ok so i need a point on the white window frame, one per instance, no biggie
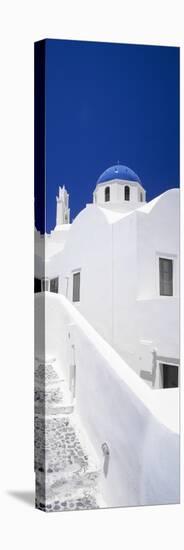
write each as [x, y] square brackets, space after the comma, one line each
[45, 280]
[174, 259]
[67, 279]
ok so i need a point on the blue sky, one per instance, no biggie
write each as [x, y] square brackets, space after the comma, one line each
[104, 103]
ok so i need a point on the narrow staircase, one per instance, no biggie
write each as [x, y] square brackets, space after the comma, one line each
[67, 469]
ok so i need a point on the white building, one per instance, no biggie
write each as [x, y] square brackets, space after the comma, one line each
[106, 333]
[118, 262]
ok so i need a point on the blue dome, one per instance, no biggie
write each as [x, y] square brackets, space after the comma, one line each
[118, 172]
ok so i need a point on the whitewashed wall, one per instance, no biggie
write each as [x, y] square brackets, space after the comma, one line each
[157, 316]
[117, 407]
[143, 320]
[117, 194]
[89, 248]
[118, 258]
[157, 235]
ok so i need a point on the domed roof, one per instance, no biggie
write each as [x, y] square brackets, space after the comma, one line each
[118, 172]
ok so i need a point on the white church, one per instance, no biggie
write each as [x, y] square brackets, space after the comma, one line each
[118, 263]
[109, 282]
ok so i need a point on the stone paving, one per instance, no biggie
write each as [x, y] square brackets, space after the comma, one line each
[67, 472]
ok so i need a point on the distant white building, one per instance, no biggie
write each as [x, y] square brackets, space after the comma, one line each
[118, 262]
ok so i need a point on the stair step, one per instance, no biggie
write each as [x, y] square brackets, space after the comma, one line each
[62, 489]
[53, 410]
[67, 469]
[58, 448]
[82, 500]
[61, 479]
[53, 398]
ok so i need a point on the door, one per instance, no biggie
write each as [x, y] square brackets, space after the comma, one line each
[170, 376]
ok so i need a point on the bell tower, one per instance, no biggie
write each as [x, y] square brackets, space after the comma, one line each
[62, 207]
[120, 189]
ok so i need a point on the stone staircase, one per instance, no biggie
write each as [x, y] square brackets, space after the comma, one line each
[67, 469]
[51, 393]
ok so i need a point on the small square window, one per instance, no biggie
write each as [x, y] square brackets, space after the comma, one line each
[166, 276]
[76, 286]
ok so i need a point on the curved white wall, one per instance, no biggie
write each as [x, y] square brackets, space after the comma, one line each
[117, 407]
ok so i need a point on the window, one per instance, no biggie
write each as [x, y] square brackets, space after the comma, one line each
[76, 286]
[127, 193]
[37, 285]
[166, 277]
[54, 284]
[45, 285]
[170, 376]
[107, 194]
[141, 196]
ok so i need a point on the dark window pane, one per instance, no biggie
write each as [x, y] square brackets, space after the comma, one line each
[107, 194]
[166, 277]
[170, 376]
[127, 193]
[76, 287]
[54, 283]
[37, 285]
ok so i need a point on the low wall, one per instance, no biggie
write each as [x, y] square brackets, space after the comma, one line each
[117, 407]
[144, 453]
